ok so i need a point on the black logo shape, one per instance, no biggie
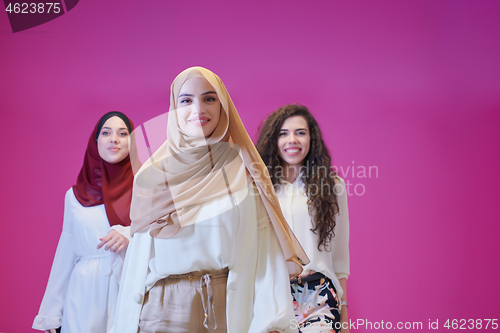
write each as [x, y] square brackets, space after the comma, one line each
[26, 14]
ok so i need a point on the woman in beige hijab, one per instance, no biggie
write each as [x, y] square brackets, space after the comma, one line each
[211, 251]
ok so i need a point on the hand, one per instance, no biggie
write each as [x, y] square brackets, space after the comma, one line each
[115, 242]
[344, 319]
[52, 330]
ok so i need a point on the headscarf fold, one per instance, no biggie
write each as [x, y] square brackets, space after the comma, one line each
[100, 182]
[186, 172]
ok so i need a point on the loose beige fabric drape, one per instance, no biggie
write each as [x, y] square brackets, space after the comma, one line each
[186, 172]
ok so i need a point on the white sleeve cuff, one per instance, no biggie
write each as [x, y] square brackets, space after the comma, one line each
[125, 231]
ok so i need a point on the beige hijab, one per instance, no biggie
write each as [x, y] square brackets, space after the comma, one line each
[186, 172]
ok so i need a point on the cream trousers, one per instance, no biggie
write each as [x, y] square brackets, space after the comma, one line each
[187, 303]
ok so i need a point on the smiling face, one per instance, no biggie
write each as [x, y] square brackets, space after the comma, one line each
[113, 140]
[198, 108]
[294, 141]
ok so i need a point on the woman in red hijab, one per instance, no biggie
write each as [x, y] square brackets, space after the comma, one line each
[83, 284]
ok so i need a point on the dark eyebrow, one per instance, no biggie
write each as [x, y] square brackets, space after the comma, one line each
[205, 93]
[122, 128]
[298, 129]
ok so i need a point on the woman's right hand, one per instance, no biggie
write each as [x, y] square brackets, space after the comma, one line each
[52, 330]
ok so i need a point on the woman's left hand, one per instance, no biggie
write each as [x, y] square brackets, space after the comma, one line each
[344, 320]
[115, 242]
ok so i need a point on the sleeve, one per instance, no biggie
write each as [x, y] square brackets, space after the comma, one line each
[132, 284]
[51, 309]
[259, 275]
[125, 231]
[340, 248]
[273, 304]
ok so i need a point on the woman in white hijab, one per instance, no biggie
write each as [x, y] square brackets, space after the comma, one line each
[211, 250]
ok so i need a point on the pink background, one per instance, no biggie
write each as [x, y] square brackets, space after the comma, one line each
[411, 87]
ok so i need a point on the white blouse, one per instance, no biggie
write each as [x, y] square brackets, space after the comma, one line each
[334, 263]
[231, 231]
[83, 284]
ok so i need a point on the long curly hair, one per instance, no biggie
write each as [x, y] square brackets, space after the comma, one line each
[317, 176]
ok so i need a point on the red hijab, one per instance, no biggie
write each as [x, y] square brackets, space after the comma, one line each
[100, 182]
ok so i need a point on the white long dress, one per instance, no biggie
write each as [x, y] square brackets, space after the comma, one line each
[83, 285]
[232, 231]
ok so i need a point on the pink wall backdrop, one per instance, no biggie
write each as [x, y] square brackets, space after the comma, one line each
[409, 87]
